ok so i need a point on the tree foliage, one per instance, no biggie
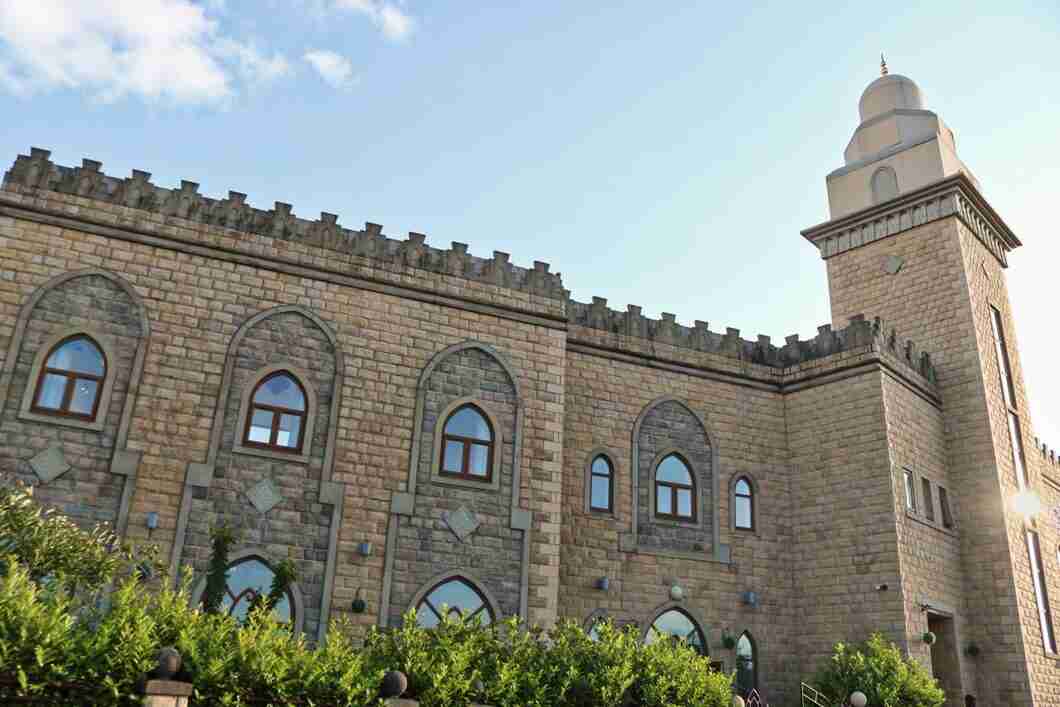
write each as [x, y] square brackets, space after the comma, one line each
[878, 668]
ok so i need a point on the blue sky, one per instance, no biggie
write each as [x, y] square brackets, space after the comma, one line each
[660, 154]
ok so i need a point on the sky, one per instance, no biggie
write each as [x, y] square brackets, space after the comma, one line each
[665, 154]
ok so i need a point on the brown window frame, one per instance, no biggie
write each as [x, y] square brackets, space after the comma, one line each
[929, 501]
[750, 496]
[674, 488]
[944, 508]
[71, 383]
[909, 484]
[277, 413]
[468, 443]
[610, 476]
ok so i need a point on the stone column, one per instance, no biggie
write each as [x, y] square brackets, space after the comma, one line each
[167, 693]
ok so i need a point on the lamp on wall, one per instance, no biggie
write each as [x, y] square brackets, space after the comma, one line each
[677, 592]
[750, 598]
[152, 522]
[364, 549]
[359, 604]
[603, 583]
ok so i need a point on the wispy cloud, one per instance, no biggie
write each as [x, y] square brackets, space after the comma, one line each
[394, 22]
[332, 67]
[169, 50]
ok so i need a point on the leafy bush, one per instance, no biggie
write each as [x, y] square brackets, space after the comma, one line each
[54, 632]
[878, 668]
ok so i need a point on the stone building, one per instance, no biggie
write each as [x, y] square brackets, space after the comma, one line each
[417, 427]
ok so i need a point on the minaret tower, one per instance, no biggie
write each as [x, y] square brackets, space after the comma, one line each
[913, 241]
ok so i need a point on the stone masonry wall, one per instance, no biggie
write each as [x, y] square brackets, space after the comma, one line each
[295, 528]
[426, 546]
[87, 492]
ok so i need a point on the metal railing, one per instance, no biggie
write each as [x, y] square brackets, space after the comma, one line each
[813, 698]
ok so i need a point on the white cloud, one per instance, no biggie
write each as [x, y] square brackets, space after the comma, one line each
[391, 19]
[167, 50]
[333, 68]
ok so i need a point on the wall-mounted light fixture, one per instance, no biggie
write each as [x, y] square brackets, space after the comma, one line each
[603, 583]
[365, 549]
[152, 522]
[750, 598]
[359, 604]
[677, 592]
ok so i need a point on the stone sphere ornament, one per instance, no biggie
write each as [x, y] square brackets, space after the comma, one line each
[738, 701]
[394, 684]
[929, 638]
[677, 593]
[169, 662]
[858, 699]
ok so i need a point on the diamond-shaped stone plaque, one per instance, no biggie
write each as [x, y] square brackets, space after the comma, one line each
[893, 264]
[50, 464]
[264, 496]
[462, 522]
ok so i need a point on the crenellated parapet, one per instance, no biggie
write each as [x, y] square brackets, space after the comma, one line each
[37, 171]
[859, 333]
[1048, 454]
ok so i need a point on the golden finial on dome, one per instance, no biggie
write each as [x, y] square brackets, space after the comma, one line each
[883, 65]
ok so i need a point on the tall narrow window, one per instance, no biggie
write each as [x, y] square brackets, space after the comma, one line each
[675, 495]
[71, 379]
[276, 417]
[743, 505]
[1003, 369]
[467, 445]
[248, 579]
[910, 491]
[601, 486]
[1016, 442]
[746, 674]
[929, 502]
[1041, 594]
[944, 508]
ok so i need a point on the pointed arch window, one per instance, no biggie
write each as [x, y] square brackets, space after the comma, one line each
[746, 669]
[743, 504]
[601, 485]
[249, 579]
[455, 598]
[277, 414]
[71, 379]
[675, 489]
[676, 625]
[467, 445]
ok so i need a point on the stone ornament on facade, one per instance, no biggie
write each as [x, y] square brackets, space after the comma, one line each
[893, 264]
[49, 464]
[462, 522]
[264, 496]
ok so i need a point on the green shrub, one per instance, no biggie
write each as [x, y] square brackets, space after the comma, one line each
[54, 631]
[878, 668]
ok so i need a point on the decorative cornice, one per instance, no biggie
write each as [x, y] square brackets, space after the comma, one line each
[955, 195]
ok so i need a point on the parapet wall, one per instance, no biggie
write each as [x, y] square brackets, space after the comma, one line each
[37, 171]
[858, 333]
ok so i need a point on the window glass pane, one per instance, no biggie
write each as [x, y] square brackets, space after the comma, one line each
[468, 422]
[425, 616]
[745, 672]
[674, 470]
[1016, 441]
[457, 594]
[684, 503]
[260, 427]
[929, 505]
[662, 497]
[910, 491]
[50, 394]
[1045, 619]
[84, 397]
[677, 624]
[454, 457]
[246, 579]
[290, 427]
[1001, 352]
[601, 466]
[282, 391]
[601, 493]
[743, 512]
[743, 488]
[79, 355]
[944, 508]
[478, 460]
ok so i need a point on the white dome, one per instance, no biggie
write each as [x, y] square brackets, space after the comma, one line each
[889, 93]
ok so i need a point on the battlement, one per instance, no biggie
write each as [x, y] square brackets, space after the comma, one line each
[1049, 455]
[859, 332]
[37, 171]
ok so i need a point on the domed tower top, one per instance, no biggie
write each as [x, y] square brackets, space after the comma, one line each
[899, 146]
